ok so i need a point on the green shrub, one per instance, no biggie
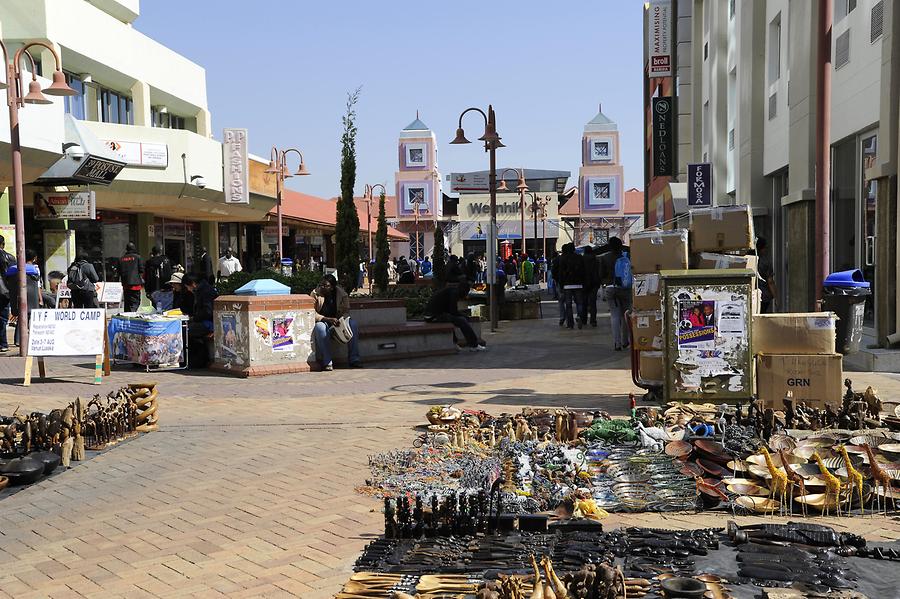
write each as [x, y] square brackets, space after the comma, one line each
[302, 282]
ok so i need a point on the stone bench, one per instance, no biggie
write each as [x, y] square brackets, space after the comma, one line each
[399, 341]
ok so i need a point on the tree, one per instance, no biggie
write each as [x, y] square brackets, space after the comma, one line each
[346, 231]
[382, 249]
[439, 260]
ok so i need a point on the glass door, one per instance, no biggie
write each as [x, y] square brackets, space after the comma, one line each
[869, 148]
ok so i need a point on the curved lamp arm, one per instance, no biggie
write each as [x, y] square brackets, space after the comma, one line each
[470, 110]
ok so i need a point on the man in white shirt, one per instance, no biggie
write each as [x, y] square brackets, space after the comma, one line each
[228, 264]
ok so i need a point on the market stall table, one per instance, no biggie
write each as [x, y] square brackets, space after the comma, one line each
[155, 341]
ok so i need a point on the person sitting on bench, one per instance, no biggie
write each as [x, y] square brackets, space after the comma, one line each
[443, 307]
[331, 304]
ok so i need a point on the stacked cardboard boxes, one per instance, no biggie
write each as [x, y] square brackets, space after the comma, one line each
[796, 353]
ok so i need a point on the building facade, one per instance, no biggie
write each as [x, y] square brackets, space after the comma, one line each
[743, 84]
[418, 187]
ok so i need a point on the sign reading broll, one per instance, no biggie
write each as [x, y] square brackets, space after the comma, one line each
[237, 167]
[659, 38]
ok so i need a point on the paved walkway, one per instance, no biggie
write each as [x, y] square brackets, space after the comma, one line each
[247, 489]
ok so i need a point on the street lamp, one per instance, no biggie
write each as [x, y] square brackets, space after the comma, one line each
[522, 188]
[15, 99]
[539, 205]
[491, 143]
[278, 167]
[368, 197]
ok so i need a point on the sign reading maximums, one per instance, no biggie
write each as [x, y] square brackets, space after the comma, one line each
[663, 137]
[659, 38]
[237, 167]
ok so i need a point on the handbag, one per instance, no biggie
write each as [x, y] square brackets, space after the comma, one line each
[342, 331]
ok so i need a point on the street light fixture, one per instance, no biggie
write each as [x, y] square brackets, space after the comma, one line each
[539, 206]
[15, 99]
[368, 196]
[522, 188]
[278, 167]
[491, 142]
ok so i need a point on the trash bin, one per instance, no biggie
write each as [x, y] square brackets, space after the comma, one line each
[845, 294]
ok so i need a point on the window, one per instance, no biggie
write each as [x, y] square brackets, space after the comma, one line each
[842, 8]
[731, 9]
[164, 120]
[75, 104]
[842, 50]
[731, 139]
[775, 49]
[115, 107]
[773, 106]
[877, 26]
[705, 50]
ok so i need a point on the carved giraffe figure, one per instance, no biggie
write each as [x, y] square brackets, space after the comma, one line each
[881, 477]
[832, 486]
[794, 478]
[854, 479]
[779, 485]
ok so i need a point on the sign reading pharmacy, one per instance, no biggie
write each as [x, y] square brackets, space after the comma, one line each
[66, 332]
[80, 205]
[237, 166]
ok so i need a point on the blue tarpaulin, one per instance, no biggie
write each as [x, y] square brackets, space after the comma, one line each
[147, 342]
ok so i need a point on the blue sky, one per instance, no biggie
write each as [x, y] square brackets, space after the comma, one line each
[282, 68]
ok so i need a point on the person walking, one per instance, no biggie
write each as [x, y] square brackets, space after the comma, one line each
[332, 304]
[228, 265]
[6, 293]
[203, 267]
[557, 292]
[527, 270]
[33, 298]
[444, 307]
[157, 271]
[616, 278]
[591, 284]
[81, 279]
[571, 279]
[131, 273]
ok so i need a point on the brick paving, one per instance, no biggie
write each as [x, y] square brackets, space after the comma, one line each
[247, 489]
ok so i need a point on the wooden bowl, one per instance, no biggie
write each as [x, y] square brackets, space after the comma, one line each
[817, 501]
[785, 442]
[749, 489]
[760, 505]
[679, 449]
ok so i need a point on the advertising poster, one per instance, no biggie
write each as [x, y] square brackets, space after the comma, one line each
[147, 342]
[282, 340]
[697, 324]
[66, 332]
[229, 335]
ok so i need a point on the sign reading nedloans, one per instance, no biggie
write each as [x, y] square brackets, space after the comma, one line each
[66, 332]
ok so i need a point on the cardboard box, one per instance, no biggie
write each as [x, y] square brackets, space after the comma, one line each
[647, 330]
[651, 366]
[809, 333]
[645, 293]
[709, 260]
[721, 229]
[655, 250]
[814, 380]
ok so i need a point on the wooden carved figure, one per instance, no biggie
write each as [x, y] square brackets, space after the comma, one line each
[832, 486]
[795, 479]
[779, 485]
[882, 478]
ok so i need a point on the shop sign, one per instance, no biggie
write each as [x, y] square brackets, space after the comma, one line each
[109, 292]
[663, 139]
[272, 231]
[699, 184]
[66, 332]
[137, 153]
[237, 166]
[80, 205]
[469, 182]
[99, 171]
[483, 209]
[659, 38]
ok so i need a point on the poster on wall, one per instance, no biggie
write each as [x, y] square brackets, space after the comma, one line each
[282, 338]
[229, 335]
[66, 332]
[697, 324]
[8, 233]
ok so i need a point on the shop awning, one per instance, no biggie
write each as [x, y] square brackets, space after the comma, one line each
[319, 212]
[85, 160]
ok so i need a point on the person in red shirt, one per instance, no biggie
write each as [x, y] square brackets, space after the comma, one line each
[131, 274]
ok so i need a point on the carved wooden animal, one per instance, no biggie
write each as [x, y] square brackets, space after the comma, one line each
[854, 479]
[833, 485]
[794, 478]
[881, 477]
[779, 484]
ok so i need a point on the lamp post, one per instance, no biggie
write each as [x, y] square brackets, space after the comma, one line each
[368, 195]
[522, 188]
[491, 143]
[16, 98]
[278, 167]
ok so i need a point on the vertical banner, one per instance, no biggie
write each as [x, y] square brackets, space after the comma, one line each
[237, 166]
[663, 137]
[699, 179]
[659, 38]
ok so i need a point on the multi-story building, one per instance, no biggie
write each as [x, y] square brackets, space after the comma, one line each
[743, 85]
[138, 103]
[418, 187]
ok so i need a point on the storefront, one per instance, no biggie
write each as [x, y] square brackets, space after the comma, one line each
[471, 231]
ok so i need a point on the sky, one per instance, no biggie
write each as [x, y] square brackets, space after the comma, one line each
[282, 69]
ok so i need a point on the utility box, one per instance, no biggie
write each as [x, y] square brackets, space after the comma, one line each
[707, 335]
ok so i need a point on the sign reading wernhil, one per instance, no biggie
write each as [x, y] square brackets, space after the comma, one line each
[659, 38]
[237, 166]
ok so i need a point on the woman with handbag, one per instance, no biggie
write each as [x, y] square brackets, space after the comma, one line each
[332, 305]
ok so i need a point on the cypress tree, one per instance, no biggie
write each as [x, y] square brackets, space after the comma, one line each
[382, 249]
[439, 260]
[346, 233]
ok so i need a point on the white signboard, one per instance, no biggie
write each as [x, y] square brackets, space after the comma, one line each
[80, 205]
[469, 182]
[237, 166]
[109, 293]
[137, 153]
[66, 332]
[659, 38]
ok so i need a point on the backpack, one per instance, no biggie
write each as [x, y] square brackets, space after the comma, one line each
[623, 276]
[77, 280]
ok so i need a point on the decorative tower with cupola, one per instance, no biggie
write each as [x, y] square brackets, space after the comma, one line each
[600, 177]
[418, 186]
